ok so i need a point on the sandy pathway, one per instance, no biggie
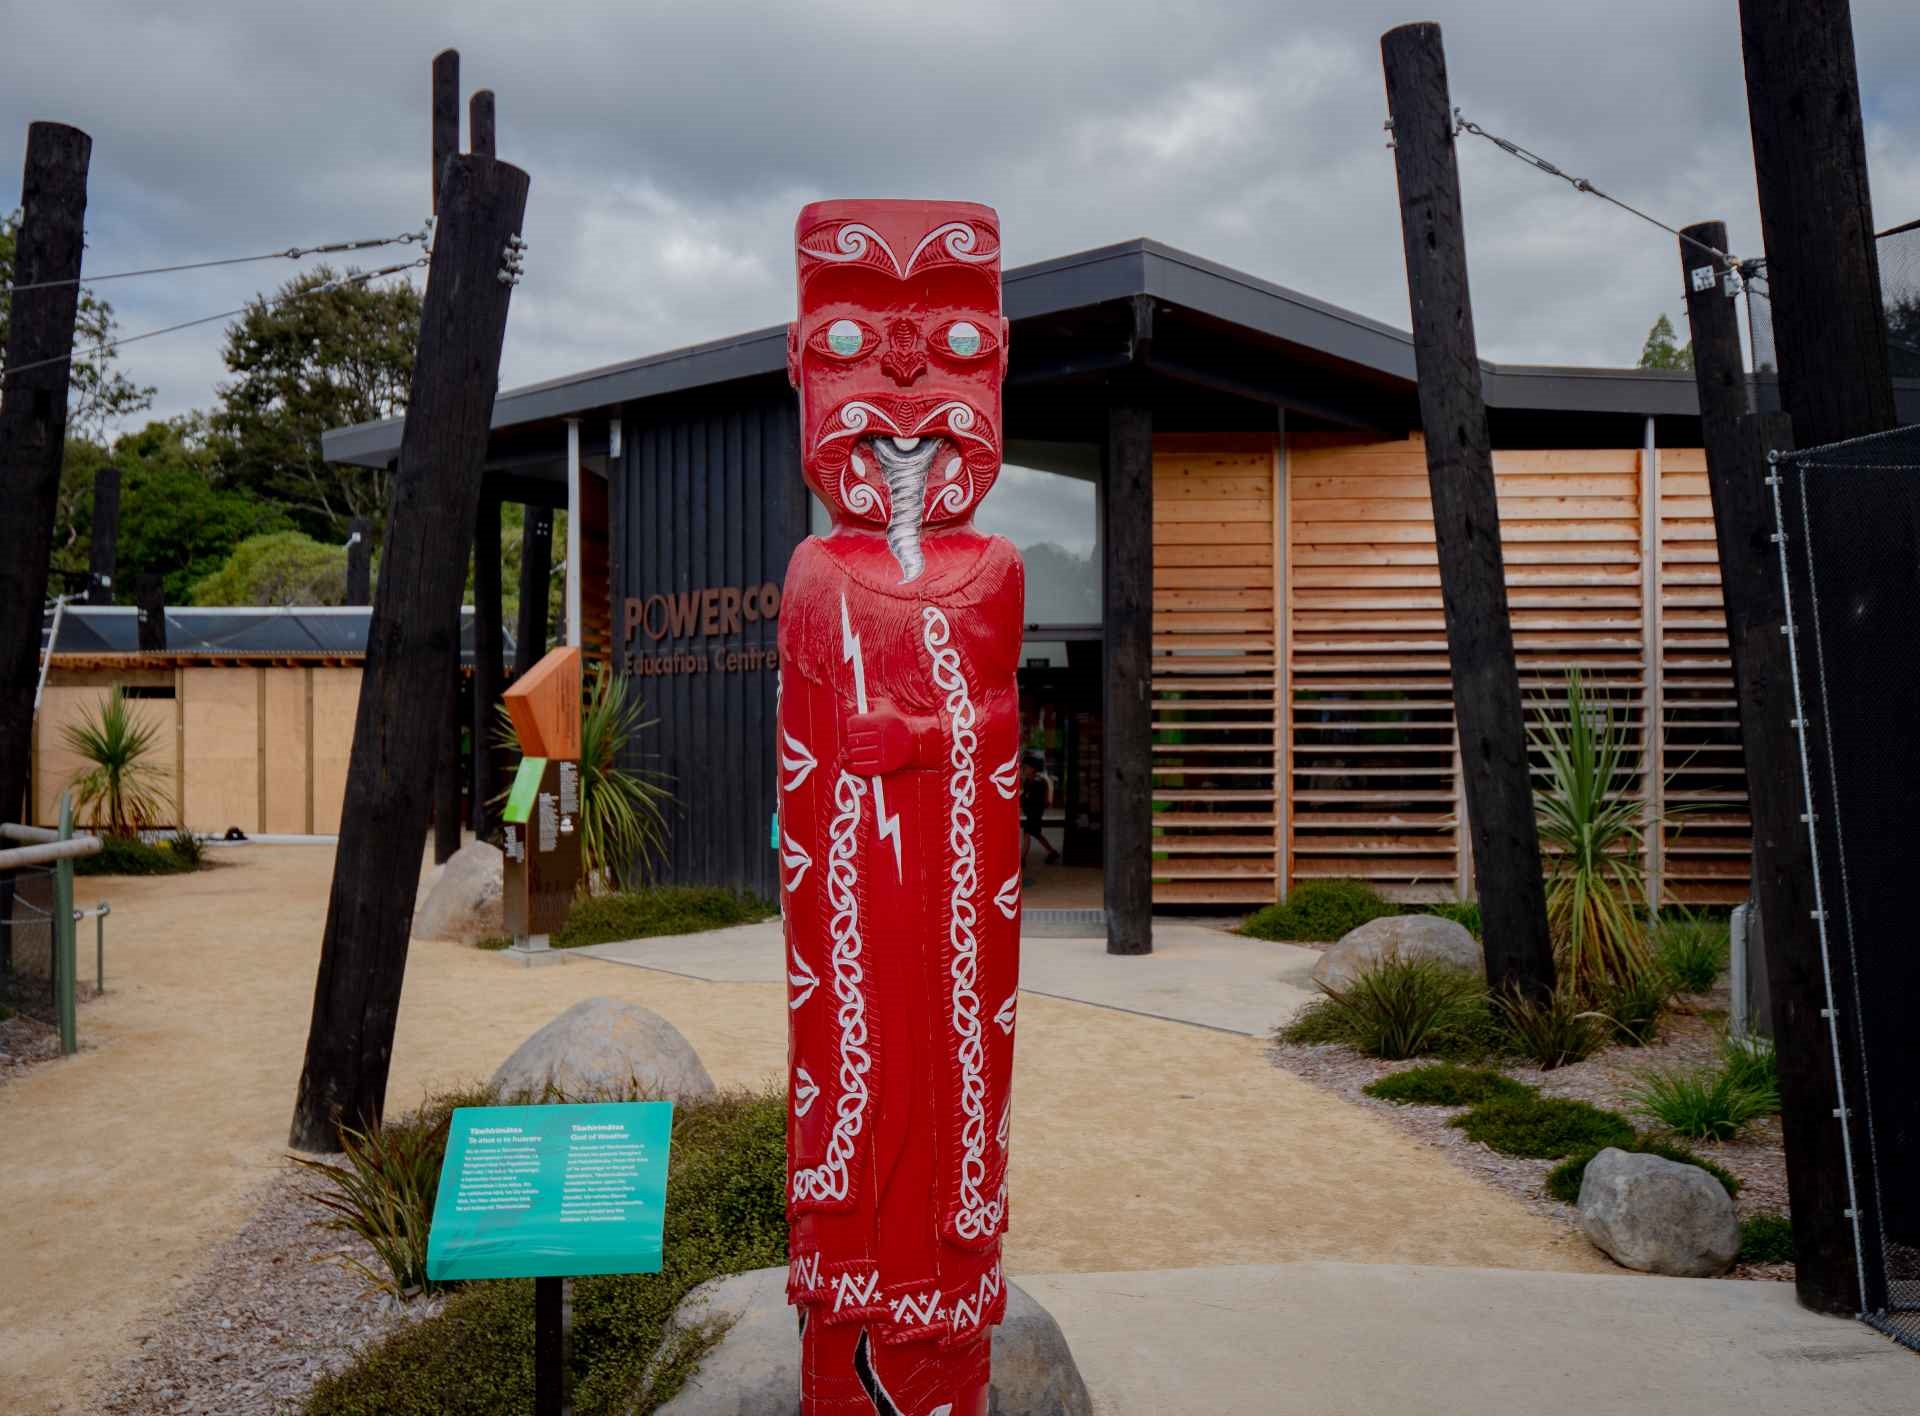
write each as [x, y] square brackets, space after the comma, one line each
[1139, 1143]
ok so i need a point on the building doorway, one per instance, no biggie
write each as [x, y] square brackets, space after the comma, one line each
[1060, 682]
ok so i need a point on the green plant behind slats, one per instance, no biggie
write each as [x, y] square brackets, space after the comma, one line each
[1590, 837]
[121, 789]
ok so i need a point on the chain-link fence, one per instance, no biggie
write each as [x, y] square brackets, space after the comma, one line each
[29, 952]
[1899, 253]
[1848, 518]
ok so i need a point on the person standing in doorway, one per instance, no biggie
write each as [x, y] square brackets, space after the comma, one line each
[1036, 795]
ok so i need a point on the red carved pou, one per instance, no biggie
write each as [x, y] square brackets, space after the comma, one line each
[899, 837]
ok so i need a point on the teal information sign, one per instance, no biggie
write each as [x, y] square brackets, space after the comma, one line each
[551, 1191]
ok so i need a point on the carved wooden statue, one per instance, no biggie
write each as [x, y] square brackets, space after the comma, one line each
[899, 757]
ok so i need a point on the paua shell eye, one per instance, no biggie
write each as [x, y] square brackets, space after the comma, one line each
[843, 337]
[963, 339]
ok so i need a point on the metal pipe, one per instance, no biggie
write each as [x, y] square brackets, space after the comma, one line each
[98, 914]
[573, 531]
[49, 854]
[46, 658]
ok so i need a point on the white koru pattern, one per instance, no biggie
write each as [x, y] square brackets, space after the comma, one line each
[1006, 777]
[978, 1218]
[803, 979]
[795, 858]
[804, 1091]
[1005, 1016]
[852, 242]
[855, 1290]
[803, 1272]
[796, 760]
[1009, 897]
[829, 1180]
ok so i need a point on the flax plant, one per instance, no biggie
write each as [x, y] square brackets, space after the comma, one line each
[1590, 837]
[121, 788]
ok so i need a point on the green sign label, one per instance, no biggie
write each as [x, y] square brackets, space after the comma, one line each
[551, 1191]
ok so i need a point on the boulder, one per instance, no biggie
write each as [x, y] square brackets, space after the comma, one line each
[604, 1047]
[1658, 1216]
[1418, 936]
[464, 903]
[754, 1369]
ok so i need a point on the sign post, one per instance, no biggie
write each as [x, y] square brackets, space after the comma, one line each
[541, 821]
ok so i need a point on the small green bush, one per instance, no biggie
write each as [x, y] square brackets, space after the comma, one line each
[1563, 1181]
[1545, 1127]
[1766, 1239]
[1465, 913]
[493, 943]
[189, 847]
[1707, 1103]
[1403, 1007]
[1445, 1084]
[1693, 949]
[726, 1213]
[129, 855]
[1320, 910]
[1633, 1006]
[1754, 1067]
[656, 910]
[1551, 1032]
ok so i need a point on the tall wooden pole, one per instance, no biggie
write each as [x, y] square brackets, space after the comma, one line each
[150, 595]
[447, 817]
[446, 116]
[360, 561]
[104, 535]
[1816, 214]
[489, 669]
[480, 123]
[1466, 517]
[33, 422]
[1825, 1274]
[1126, 748]
[411, 653]
[536, 570]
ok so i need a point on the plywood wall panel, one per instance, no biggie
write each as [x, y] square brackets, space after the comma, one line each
[336, 698]
[220, 716]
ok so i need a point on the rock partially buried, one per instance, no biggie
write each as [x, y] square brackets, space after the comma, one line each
[464, 903]
[603, 1047]
[1405, 937]
[1658, 1216]
[754, 1369]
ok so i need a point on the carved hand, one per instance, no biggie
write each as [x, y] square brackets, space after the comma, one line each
[878, 742]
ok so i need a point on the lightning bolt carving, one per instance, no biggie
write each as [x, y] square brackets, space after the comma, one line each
[889, 822]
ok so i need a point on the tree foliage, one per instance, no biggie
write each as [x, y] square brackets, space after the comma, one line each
[305, 360]
[278, 568]
[99, 392]
[1661, 352]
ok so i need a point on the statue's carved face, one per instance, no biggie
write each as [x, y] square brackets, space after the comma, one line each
[898, 356]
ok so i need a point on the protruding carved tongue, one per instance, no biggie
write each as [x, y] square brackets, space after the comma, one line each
[906, 462]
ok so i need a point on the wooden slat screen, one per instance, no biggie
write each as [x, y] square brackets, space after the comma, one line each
[1214, 671]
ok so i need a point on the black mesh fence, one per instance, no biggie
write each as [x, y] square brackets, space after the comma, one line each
[1899, 253]
[27, 964]
[1849, 518]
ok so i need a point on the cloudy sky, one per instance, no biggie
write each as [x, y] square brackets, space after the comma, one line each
[671, 143]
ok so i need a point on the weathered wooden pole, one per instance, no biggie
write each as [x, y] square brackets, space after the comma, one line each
[480, 123]
[1466, 517]
[1816, 215]
[33, 422]
[1825, 1273]
[150, 595]
[360, 561]
[411, 653]
[536, 571]
[489, 668]
[1127, 710]
[446, 116]
[105, 535]
[447, 816]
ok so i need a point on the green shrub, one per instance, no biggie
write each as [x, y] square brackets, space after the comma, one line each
[1766, 1239]
[656, 910]
[1549, 1032]
[1563, 1181]
[1465, 913]
[1633, 1006]
[1693, 949]
[1445, 1084]
[1545, 1127]
[129, 855]
[1404, 1007]
[384, 1192]
[725, 1214]
[1754, 1067]
[1707, 1103]
[493, 943]
[189, 847]
[1320, 910]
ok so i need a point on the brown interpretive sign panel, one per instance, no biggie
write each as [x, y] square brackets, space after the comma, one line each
[542, 846]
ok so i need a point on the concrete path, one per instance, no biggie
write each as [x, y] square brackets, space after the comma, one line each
[1329, 1339]
[1196, 974]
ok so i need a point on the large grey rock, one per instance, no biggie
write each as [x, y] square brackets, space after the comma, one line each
[464, 903]
[606, 1047]
[1657, 1215]
[1419, 936]
[754, 1370]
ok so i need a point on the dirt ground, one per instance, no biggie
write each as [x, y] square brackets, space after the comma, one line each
[1138, 1143]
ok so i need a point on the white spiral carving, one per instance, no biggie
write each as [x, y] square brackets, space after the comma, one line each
[860, 498]
[855, 417]
[954, 498]
[959, 239]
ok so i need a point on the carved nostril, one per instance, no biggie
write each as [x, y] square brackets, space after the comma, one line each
[904, 360]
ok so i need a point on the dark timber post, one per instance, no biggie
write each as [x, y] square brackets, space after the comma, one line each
[150, 594]
[33, 423]
[536, 569]
[1126, 531]
[411, 653]
[360, 561]
[1816, 213]
[480, 123]
[1466, 517]
[446, 768]
[105, 535]
[446, 117]
[489, 670]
